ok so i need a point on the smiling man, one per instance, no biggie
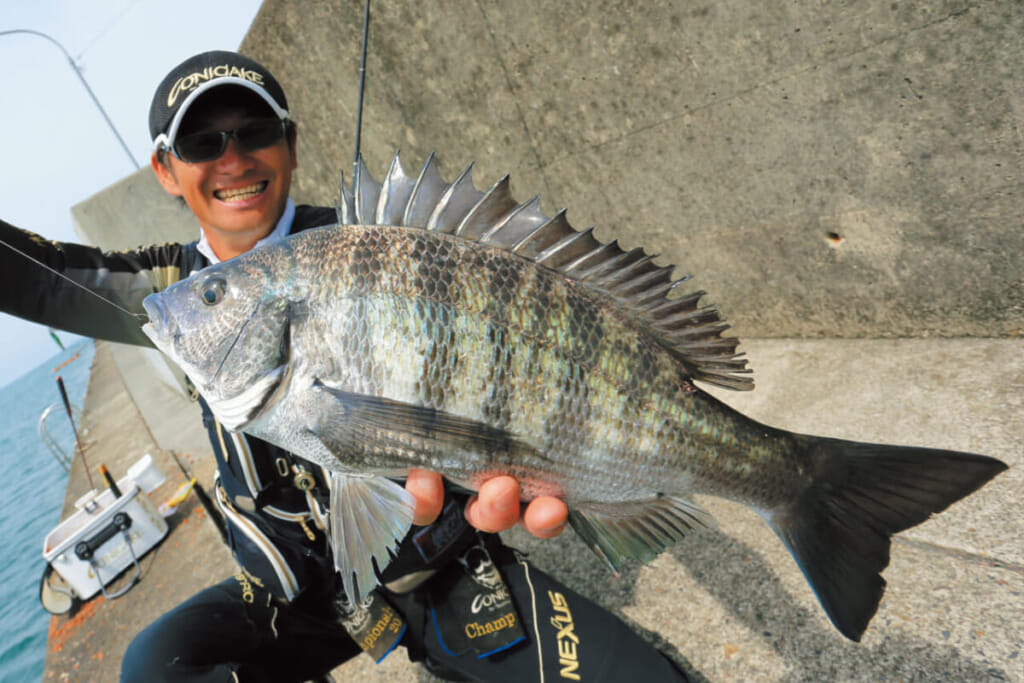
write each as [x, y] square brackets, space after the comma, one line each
[461, 602]
[240, 195]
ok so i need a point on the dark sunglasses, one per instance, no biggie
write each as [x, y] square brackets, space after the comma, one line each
[210, 145]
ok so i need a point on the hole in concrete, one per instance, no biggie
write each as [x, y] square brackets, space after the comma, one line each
[834, 238]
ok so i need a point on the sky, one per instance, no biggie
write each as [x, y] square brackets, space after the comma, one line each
[57, 150]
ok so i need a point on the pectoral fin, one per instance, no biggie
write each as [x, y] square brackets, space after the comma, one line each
[369, 517]
[360, 423]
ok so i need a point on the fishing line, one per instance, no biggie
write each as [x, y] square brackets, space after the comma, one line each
[362, 87]
[139, 316]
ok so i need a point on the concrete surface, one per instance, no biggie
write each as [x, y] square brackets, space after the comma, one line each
[137, 212]
[732, 137]
[729, 605]
[837, 169]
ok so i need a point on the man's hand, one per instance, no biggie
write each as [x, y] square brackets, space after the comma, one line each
[495, 508]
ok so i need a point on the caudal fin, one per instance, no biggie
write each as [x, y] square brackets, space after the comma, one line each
[839, 530]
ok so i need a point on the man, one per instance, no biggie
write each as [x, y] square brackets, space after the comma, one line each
[459, 601]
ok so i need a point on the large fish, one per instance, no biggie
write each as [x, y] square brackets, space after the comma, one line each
[445, 328]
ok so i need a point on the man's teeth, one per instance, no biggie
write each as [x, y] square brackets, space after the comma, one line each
[240, 193]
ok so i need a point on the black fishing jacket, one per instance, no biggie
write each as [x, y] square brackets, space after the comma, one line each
[274, 502]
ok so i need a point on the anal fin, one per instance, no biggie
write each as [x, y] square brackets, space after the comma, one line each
[637, 530]
[369, 517]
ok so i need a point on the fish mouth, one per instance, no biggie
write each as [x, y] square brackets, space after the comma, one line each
[240, 194]
[160, 329]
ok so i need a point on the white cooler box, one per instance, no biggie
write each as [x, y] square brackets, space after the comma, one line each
[103, 538]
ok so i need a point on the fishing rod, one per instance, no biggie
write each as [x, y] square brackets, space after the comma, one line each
[362, 87]
[78, 442]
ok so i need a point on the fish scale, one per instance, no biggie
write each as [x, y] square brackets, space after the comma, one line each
[481, 337]
[570, 357]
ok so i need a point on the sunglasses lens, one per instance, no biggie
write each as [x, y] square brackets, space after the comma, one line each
[208, 146]
[260, 134]
[199, 147]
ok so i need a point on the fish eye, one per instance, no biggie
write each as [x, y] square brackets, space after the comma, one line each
[213, 291]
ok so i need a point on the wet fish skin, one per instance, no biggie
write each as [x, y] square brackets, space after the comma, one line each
[373, 349]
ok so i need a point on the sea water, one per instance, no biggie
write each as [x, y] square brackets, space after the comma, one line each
[34, 484]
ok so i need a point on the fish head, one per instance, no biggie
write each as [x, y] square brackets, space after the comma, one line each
[227, 328]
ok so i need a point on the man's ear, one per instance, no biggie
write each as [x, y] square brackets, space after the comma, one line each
[164, 175]
[293, 147]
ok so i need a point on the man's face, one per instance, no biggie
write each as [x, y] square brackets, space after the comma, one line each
[241, 194]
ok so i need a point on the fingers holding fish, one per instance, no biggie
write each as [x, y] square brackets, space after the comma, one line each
[428, 489]
[496, 505]
[546, 517]
[495, 508]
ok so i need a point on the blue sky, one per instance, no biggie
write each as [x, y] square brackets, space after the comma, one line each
[57, 149]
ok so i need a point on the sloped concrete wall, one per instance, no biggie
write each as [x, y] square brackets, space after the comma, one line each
[132, 212]
[821, 169]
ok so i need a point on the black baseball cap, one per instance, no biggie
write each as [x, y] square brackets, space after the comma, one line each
[200, 74]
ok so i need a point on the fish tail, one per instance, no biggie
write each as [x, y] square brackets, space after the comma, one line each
[839, 528]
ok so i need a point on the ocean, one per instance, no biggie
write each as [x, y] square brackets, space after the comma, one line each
[35, 484]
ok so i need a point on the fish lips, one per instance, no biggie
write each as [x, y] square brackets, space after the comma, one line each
[161, 328]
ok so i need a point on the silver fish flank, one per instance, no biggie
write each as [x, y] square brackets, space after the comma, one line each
[445, 328]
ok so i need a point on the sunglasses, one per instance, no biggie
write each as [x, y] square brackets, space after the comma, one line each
[210, 145]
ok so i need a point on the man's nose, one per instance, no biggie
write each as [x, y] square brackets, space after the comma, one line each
[234, 154]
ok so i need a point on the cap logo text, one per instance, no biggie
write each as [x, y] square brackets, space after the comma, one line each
[194, 79]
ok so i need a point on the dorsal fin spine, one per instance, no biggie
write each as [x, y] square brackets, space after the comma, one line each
[688, 332]
[683, 316]
[598, 266]
[619, 277]
[427, 175]
[598, 271]
[641, 281]
[365, 190]
[343, 205]
[498, 192]
[521, 244]
[652, 297]
[436, 222]
[615, 266]
[573, 265]
[558, 246]
[396, 182]
[655, 307]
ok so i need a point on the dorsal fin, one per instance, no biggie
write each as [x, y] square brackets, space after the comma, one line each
[691, 332]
